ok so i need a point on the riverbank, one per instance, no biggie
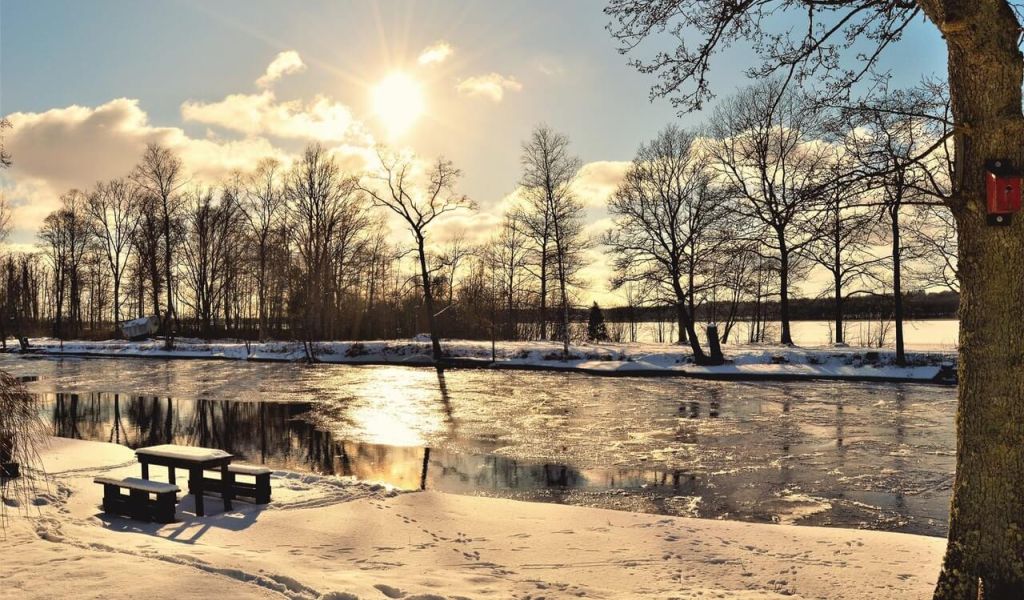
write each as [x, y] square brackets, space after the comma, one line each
[327, 538]
[760, 362]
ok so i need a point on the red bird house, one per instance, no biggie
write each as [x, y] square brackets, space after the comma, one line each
[1002, 188]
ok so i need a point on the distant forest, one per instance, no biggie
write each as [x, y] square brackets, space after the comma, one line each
[916, 305]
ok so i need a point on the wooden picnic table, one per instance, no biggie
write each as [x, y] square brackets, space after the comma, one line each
[195, 460]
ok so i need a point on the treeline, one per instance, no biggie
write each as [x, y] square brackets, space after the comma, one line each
[719, 225]
[916, 305]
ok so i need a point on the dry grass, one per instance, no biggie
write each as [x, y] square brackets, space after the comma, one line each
[22, 435]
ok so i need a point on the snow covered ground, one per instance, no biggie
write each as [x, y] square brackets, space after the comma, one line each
[333, 539]
[745, 362]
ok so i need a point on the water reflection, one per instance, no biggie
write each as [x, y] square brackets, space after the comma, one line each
[861, 455]
[283, 435]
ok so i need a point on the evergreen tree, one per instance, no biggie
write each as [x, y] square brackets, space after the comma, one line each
[597, 331]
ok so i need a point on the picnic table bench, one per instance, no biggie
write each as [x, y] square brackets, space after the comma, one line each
[138, 504]
[258, 489]
[195, 460]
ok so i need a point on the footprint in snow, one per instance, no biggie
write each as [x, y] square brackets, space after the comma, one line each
[390, 592]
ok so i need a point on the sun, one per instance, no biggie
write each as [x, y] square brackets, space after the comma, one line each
[398, 102]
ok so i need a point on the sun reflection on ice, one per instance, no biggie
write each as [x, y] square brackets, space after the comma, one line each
[400, 407]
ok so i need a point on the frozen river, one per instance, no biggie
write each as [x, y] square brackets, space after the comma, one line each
[879, 456]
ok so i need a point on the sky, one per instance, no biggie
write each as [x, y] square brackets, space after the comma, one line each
[228, 82]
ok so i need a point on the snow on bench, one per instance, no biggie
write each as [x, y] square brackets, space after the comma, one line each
[143, 485]
[185, 453]
[244, 469]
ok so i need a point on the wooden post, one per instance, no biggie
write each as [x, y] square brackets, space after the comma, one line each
[195, 481]
[227, 485]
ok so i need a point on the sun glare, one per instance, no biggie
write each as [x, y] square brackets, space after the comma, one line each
[398, 102]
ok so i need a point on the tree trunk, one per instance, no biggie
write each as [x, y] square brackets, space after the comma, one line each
[837, 256]
[685, 321]
[261, 293]
[684, 334]
[544, 293]
[141, 297]
[787, 338]
[428, 301]
[897, 284]
[168, 326]
[510, 323]
[986, 534]
[562, 285]
[117, 299]
[840, 338]
[686, 325]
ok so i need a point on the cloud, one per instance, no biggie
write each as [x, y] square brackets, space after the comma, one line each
[212, 160]
[597, 181]
[284, 63]
[76, 146]
[491, 86]
[321, 119]
[435, 53]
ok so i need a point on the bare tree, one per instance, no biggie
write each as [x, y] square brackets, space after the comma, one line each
[66, 235]
[933, 231]
[772, 162]
[985, 77]
[396, 188]
[454, 253]
[841, 240]
[113, 209]
[159, 173]
[553, 216]
[664, 214]
[888, 150]
[507, 253]
[263, 205]
[211, 232]
[326, 212]
[148, 242]
[735, 277]
[548, 169]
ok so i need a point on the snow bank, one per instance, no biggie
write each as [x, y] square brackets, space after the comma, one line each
[331, 539]
[634, 359]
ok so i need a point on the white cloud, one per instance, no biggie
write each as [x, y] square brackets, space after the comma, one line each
[76, 146]
[491, 86]
[435, 53]
[261, 114]
[285, 63]
[597, 181]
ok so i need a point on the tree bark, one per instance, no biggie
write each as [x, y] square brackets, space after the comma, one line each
[986, 535]
[117, 299]
[837, 273]
[897, 283]
[839, 338]
[428, 302]
[168, 325]
[544, 293]
[685, 321]
[261, 293]
[787, 337]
